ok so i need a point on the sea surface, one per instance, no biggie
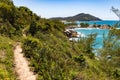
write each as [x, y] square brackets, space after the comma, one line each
[108, 22]
[100, 32]
[99, 38]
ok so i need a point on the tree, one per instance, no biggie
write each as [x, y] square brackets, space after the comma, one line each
[110, 54]
[33, 28]
[8, 2]
[84, 25]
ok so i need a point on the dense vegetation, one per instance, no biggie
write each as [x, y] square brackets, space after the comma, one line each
[52, 56]
[79, 17]
[6, 59]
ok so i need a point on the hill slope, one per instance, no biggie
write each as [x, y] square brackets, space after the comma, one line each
[50, 53]
[79, 17]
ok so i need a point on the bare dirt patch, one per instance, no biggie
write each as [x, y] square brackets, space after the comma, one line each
[21, 65]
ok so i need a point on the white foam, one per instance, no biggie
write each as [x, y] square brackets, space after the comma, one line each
[117, 28]
[85, 28]
[74, 39]
[80, 34]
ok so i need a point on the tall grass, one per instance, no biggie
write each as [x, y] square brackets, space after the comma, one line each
[6, 59]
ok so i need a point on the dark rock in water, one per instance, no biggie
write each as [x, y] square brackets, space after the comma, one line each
[70, 33]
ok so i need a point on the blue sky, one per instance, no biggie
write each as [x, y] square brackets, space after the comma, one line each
[64, 8]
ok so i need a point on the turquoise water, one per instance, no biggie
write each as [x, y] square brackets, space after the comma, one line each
[108, 22]
[100, 32]
[99, 37]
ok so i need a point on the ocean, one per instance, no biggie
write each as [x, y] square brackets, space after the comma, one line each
[108, 22]
[99, 32]
[99, 37]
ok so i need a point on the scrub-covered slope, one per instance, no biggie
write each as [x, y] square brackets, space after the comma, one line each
[51, 55]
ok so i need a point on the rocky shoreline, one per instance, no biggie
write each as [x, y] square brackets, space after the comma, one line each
[70, 33]
[105, 26]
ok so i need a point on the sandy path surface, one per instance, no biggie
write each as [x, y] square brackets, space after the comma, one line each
[21, 65]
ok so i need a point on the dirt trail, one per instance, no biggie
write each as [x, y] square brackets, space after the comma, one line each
[21, 65]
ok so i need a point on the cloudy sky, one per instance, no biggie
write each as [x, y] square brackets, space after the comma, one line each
[64, 8]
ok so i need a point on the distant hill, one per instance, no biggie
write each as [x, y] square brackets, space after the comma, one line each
[79, 17]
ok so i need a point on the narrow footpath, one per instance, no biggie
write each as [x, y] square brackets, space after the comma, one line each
[21, 65]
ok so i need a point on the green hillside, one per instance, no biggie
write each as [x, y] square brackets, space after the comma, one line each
[6, 59]
[78, 17]
[52, 56]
